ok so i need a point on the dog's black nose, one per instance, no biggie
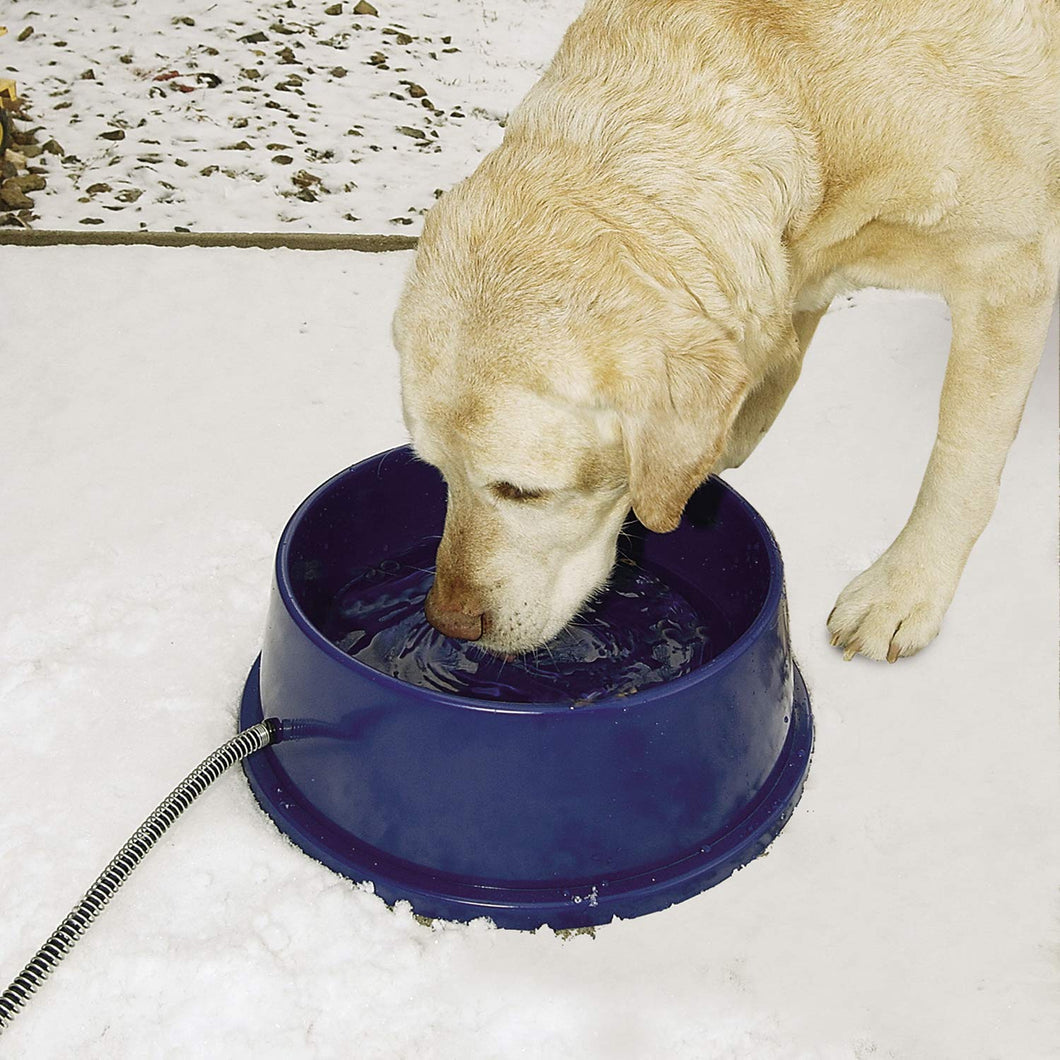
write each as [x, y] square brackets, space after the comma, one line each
[453, 622]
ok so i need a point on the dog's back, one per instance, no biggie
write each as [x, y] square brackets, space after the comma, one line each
[970, 86]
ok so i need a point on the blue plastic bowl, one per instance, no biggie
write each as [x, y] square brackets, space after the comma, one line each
[529, 814]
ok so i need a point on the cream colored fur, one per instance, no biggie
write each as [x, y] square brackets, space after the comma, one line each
[617, 302]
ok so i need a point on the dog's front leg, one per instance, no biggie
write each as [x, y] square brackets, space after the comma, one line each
[763, 404]
[896, 606]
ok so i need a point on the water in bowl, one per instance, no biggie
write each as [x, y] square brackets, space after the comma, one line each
[638, 632]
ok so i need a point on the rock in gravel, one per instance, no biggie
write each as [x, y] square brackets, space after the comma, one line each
[97, 189]
[113, 134]
[365, 8]
[416, 91]
[408, 130]
[30, 182]
[25, 136]
[13, 196]
[25, 34]
[53, 148]
[335, 9]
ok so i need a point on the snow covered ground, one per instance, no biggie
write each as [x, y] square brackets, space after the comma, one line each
[164, 411]
[262, 115]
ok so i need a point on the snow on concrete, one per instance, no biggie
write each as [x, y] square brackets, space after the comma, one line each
[164, 411]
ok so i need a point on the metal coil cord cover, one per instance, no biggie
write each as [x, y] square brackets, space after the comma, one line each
[131, 854]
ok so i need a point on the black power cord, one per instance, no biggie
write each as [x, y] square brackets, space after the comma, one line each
[131, 854]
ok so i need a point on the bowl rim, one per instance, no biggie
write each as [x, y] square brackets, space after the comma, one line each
[722, 661]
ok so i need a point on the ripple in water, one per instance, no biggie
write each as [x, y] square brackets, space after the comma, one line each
[636, 633]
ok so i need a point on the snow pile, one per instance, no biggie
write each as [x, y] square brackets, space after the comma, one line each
[257, 115]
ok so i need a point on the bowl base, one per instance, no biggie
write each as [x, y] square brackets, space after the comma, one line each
[581, 903]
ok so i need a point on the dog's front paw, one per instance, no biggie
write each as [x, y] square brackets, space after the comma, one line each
[894, 608]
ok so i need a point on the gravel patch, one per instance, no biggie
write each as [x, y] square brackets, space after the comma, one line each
[251, 116]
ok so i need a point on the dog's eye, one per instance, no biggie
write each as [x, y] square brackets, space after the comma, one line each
[507, 492]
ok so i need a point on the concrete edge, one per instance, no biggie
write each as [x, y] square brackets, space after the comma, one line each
[33, 237]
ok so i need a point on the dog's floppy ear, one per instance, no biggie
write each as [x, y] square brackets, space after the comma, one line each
[674, 428]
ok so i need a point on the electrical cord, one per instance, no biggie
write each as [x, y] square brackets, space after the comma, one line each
[131, 854]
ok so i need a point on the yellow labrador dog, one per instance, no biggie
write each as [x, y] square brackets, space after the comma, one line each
[617, 302]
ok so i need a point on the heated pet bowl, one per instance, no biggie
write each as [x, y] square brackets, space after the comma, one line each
[528, 813]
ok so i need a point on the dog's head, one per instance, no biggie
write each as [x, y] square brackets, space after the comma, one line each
[556, 375]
